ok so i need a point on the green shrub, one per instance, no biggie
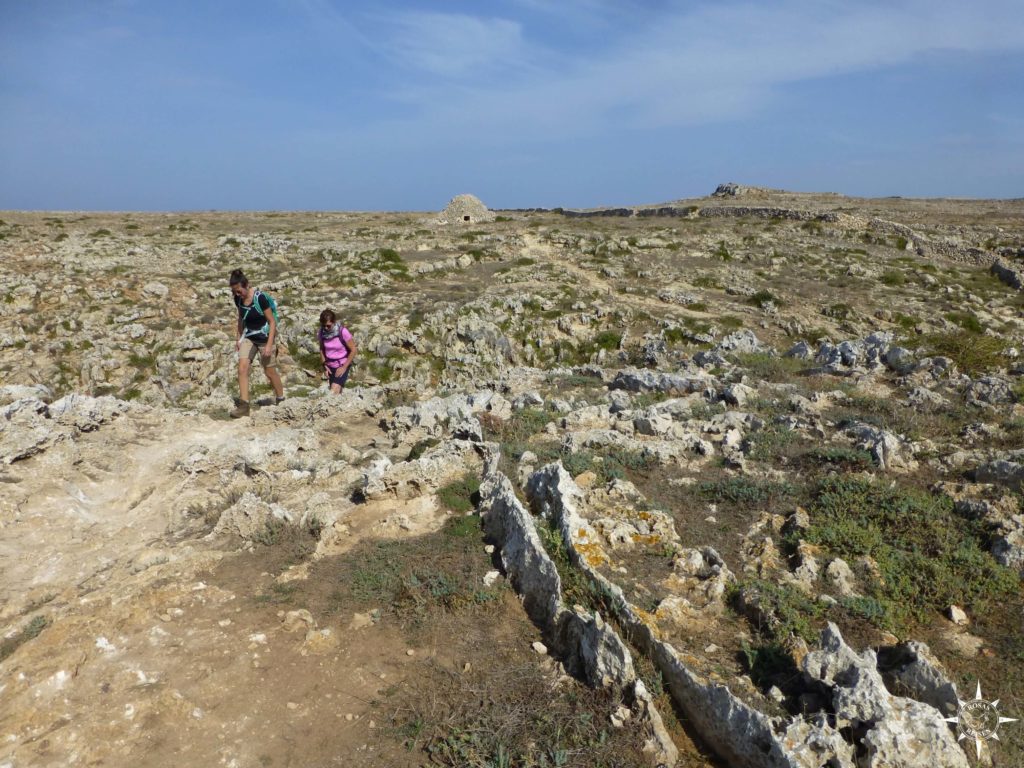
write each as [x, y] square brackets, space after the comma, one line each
[765, 366]
[908, 322]
[310, 360]
[575, 381]
[613, 463]
[794, 611]
[771, 443]
[707, 281]
[966, 320]
[462, 495]
[675, 336]
[378, 578]
[607, 340]
[463, 526]
[763, 297]
[422, 447]
[840, 457]
[838, 311]
[973, 353]
[142, 361]
[524, 423]
[928, 557]
[868, 608]
[743, 491]
[893, 277]
[381, 370]
[730, 322]
[272, 532]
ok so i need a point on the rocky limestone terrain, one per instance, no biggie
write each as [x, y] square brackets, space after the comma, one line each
[725, 481]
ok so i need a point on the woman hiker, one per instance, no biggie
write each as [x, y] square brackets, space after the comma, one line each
[337, 348]
[257, 335]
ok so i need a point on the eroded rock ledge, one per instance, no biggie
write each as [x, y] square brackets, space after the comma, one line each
[858, 708]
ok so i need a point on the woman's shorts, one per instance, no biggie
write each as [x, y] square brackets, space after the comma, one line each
[252, 351]
[332, 378]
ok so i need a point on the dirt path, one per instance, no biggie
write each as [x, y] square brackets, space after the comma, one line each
[144, 659]
[164, 647]
[78, 513]
[200, 668]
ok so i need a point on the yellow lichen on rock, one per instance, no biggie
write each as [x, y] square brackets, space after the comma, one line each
[593, 554]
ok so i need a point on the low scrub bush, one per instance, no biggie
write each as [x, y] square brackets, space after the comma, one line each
[838, 311]
[794, 613]
[730, 322]
[928, 557]
[522, 424]
[765, 366]
[614, 463]
[744, 491]
[508, 716]
[907, 322]
[462, 495]
[763, 298]
[842, 457]
[973, 353]
[893, 277]
[676, 336]
[607, 340]
[707, 281]
[773, 443]
[966, 320]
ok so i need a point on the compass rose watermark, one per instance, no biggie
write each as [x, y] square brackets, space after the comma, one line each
[979, 720]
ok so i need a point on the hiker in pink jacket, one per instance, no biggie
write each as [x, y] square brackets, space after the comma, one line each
[337, 348]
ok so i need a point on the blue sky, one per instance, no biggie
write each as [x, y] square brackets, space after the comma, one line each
[331, 105]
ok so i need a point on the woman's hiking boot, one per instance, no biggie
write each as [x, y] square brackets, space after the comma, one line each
[242, 409]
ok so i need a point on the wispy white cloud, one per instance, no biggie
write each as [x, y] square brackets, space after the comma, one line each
[588, 13]
[327, 19]
[685, 65]
[455, 45]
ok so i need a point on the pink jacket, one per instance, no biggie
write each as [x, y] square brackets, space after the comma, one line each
[333, 342]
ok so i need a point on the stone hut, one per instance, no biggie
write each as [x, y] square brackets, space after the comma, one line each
[465, 209]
